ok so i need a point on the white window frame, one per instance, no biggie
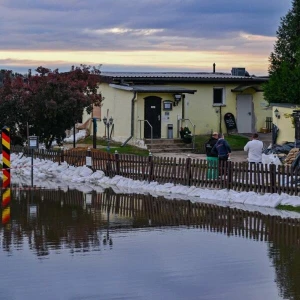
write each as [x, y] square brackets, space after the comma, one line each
[223, 95]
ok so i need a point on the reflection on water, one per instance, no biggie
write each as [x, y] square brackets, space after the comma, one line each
[71, 245]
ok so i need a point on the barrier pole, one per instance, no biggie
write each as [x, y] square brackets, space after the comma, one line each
[6, 194]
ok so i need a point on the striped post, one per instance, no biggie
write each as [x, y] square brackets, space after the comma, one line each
[6, 194]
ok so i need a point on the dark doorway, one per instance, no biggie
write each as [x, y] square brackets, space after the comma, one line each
[153, 116]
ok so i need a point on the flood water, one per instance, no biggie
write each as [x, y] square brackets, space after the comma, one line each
[71, 245]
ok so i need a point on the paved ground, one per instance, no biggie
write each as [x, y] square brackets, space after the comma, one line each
[236, 156]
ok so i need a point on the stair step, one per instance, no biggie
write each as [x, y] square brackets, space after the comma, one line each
[173, 150]
[163, 141]
[168, 146]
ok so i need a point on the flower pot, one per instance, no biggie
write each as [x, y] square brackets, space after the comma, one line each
[188, 140]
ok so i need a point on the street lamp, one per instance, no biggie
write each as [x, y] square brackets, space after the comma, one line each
[108, 122]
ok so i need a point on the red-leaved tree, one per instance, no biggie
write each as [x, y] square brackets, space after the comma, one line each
[50, 102]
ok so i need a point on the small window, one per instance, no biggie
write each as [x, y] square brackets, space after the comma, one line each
[219, 96]
[167, 105]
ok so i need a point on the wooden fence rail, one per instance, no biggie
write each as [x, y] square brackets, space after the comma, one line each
[238, 176]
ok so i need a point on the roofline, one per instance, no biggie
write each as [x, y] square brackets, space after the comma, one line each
[133, 88]
[117, 79]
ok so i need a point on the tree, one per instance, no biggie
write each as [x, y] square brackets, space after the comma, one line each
[51, 102]
[284, 70]
[13, 99]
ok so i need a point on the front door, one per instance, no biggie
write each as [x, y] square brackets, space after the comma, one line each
[153, 116]
[244, 109]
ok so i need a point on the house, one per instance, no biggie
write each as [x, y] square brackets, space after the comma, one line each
[284, 121]
[157, 104]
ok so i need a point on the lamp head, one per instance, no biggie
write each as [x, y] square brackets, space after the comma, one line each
[104, 120]
[111, 120]
[177, 99]
[277, 113]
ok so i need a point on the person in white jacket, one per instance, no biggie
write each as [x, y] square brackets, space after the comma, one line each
[254, 149]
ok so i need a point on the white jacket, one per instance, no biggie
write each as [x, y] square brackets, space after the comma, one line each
[254, 149]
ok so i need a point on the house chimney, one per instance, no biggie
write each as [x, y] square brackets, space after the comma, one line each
[214, 68]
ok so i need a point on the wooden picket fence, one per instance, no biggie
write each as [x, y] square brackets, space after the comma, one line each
[238, 176]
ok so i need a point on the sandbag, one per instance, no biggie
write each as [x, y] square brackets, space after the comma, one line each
[271, 159]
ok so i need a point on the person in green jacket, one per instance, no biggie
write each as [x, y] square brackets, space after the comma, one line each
[212, 157]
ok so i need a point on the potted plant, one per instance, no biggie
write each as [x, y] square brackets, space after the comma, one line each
[186, 135]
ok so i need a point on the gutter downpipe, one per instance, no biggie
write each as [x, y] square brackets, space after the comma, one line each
[132, 120]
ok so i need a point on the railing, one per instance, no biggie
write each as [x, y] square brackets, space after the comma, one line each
[179, 124]
[151, 128]
[260, 178]
[269, 122]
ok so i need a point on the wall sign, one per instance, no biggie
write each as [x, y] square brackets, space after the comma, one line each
[230, 123]
[167, 105]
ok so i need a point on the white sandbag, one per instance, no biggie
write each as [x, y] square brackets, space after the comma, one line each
[271, 159]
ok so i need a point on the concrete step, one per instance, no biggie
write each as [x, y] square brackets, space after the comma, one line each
[171, 150]
[163, 141]
[168, 146]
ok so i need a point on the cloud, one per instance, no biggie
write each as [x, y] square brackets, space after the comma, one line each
[239, 27]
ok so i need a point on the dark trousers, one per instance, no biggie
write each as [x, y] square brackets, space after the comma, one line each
[222, 165]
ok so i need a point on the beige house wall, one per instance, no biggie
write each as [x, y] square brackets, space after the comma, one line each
[115, 104]
[198, 108]
[286, 128]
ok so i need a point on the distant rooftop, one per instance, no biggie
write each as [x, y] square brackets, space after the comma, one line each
[185, 76]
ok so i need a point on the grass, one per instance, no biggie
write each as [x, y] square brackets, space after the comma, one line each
[236, 142]
[127, 149]
[289, 208]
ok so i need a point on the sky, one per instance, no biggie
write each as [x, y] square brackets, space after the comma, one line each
[139, 35]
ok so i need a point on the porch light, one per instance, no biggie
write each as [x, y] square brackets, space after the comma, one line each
[108, 123]
[177, 98]
[277, 113]
[104, 120]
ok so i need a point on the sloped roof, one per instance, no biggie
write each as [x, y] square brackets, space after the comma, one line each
[242, 88]
[182, 76]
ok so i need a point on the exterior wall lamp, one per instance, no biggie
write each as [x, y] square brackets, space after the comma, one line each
[177, 99]
[277, 113]
[108, 122]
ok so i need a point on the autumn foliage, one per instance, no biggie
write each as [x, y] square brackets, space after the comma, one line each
[49, 101]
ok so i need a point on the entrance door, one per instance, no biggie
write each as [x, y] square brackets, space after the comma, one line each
[153, 116]
[244, 108]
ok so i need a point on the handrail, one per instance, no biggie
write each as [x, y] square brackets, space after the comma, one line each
[151, 129]
[193, 125]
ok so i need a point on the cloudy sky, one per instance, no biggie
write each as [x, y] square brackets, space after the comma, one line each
[139, 35]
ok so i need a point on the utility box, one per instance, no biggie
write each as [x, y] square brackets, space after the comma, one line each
[170, 131]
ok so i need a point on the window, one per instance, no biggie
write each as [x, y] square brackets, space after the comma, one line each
[219, 96]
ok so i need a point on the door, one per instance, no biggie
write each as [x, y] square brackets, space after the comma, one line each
[244, 109]
[153, 116]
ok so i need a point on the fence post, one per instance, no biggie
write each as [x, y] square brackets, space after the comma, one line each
[88, 159]
[230, 174]
[188, 171]
[272, 178]
[62, 158]
[150, 161]
[117, 160]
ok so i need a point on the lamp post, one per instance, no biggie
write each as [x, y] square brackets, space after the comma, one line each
[108, 122]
